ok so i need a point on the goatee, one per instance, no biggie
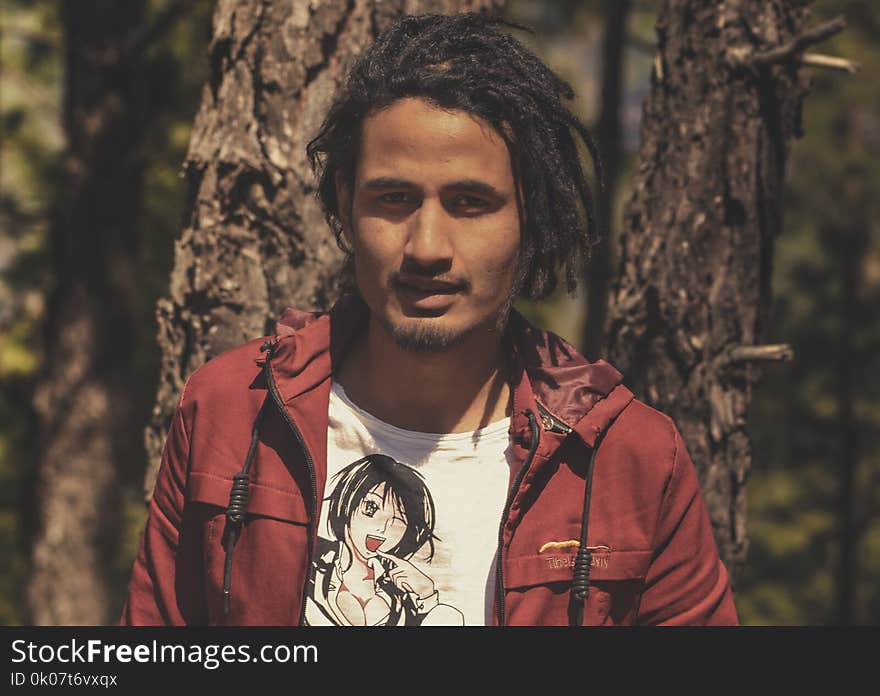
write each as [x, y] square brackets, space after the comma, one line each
[424, 335]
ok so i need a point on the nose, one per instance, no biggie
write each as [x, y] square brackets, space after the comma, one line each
[428, 244]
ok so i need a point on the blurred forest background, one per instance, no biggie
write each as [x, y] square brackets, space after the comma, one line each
[815, 422]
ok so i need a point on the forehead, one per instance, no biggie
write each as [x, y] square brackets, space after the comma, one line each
[415, 140]
[377, 491]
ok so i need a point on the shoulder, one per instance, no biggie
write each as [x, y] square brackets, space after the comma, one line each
[230, 373]
[236, 368]
[644, 428]
[644, 443]
[642, 476]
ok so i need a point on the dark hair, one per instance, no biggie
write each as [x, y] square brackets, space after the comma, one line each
[465, 62]
[408, 493]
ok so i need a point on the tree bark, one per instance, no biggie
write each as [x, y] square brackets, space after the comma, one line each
[80, 395]
[694, 274]
[254, 238]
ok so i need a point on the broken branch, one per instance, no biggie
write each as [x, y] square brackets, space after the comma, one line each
[799, 43]
[819, 60]
[778, 351]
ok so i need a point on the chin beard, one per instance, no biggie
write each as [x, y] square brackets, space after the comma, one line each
[423, 335]
[428, 336]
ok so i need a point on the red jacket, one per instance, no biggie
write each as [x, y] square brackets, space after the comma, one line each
[654, 559]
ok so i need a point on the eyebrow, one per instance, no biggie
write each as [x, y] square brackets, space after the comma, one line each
[384, 182]
[474, 185]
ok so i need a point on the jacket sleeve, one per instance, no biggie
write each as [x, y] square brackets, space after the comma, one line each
[156, 590]
[687, 583]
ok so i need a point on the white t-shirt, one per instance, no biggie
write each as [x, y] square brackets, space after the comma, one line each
[391, 496]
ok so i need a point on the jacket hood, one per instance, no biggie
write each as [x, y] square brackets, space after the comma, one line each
[571, 392]
[583, 396]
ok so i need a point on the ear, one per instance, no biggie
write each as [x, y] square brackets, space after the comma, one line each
[343, 199]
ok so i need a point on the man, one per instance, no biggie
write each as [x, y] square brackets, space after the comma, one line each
[421, 454]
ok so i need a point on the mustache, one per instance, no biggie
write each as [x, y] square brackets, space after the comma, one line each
[410, 276]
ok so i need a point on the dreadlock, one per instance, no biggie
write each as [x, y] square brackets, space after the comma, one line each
[465, 62]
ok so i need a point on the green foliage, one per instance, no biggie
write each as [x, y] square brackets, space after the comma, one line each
[30, 144]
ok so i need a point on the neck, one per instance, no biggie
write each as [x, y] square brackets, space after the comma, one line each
[460, 389]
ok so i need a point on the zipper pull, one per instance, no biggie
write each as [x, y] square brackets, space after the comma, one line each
[552, 424]
[268, 348]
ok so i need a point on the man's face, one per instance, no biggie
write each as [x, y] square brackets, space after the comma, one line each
[433, 224]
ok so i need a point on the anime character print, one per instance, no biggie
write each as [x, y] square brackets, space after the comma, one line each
[379, 514]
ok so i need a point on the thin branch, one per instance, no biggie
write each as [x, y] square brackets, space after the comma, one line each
[819, 60]
[658, 66]
[799, 43]
[778, 351]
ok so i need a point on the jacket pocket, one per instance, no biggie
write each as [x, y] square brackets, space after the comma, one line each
[272, 545]
[263, 501]
[538, 587]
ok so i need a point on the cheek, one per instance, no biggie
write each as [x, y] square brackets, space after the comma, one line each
[494, 253]
[395, 532]
[378, 240]
[356, 524]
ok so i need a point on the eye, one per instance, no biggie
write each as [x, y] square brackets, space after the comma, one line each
[395, 197]
[370, 508]
[470, 203]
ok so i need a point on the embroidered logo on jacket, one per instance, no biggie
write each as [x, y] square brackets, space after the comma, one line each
[599, 554]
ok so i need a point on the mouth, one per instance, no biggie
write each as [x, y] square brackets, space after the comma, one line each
[427, 295]
[427, 285]
[373, 542]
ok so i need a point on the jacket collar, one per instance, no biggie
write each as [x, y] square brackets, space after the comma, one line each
[565, 390]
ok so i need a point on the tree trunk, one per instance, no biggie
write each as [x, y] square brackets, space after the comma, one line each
[694, 275]
[609, 137]
[255, 240]
[80, 394]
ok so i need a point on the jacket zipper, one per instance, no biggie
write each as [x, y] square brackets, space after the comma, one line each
[273, 389]
[499, 581]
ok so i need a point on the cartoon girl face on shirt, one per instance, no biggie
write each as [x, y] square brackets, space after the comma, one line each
[377, 523]
[379, 504]
[379, 515]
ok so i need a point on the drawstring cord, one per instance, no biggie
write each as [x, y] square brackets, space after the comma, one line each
[580, 584]
[238, 496]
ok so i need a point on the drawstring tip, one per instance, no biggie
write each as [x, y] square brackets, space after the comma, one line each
[580, 584]
[581, 575]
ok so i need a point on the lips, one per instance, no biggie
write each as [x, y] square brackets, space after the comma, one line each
[427, 295]
[424, 288]
[374, 542]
